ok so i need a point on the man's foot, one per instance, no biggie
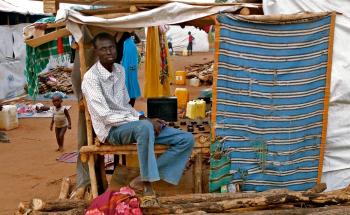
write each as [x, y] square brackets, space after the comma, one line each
[149, 198]
[136, 184]
[142, 187]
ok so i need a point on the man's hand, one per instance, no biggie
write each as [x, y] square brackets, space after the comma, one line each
[158, 125]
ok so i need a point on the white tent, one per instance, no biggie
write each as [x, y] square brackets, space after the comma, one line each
[179, 38]
[22, 7]
[336, 167]
[12, 47]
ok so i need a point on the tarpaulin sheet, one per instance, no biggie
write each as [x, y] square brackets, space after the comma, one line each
[171, 13]
[336, 169]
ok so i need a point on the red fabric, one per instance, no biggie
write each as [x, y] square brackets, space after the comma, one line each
[190, 38]
[207, 28]
[60, 49]
[122, 202]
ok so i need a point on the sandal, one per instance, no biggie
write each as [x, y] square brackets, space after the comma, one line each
[149, 201]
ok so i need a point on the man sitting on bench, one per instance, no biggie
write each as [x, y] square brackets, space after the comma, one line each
[116, 122]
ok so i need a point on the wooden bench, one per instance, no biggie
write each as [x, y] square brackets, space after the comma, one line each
[201, 146]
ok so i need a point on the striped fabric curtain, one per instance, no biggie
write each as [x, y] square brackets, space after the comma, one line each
[272, 91]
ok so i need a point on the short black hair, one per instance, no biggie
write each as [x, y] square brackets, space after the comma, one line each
[102, 36]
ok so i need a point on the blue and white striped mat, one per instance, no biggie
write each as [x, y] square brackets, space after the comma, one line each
[272, 100]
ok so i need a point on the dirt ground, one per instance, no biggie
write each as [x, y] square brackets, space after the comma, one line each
[28, 166]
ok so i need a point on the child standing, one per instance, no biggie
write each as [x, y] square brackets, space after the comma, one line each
[190, 43]
[61, 119]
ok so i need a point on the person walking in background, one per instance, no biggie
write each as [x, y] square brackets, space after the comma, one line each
[190, 43]
[61, 119]
[170, 46]
[127, 56]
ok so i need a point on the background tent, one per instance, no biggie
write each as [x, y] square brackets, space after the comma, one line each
[336, 168]
[14, 17]
[179, 38]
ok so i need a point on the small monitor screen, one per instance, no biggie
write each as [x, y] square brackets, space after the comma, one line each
[164, 108]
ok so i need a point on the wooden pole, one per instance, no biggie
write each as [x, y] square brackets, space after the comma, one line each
[197, 168]
[91, 163]
[213, 197]
[64, 188]
[215, 77]
[75, 211]
[268, 200]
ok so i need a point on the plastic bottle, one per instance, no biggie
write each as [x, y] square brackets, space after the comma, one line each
[8, 117]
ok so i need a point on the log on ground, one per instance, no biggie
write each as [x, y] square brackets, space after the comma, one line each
[57, 205]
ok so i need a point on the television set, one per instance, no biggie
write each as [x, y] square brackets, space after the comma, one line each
[164, 108]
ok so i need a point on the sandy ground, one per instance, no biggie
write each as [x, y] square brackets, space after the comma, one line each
[28, 166]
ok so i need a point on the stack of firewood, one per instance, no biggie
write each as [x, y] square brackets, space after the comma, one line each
[66, 204]
[272, 202]
[58, 79]
[204, 72]
[265, 203]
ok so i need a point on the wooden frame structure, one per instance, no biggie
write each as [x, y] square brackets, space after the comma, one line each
[116, 9]
[94, 146]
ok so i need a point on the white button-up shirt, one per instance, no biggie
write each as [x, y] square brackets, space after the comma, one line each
[107, 99]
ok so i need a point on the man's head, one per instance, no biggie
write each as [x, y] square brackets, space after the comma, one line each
[105, 49]
[189, 33]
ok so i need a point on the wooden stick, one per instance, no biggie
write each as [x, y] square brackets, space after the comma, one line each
[213, 197]
[47, 37]
[326, 97]
[290, 18]
[197, 169]
[75, 211]
[7, 101]
[244, 11]
[64, 188]
[301, 211]
[57, 205]
[23, 207]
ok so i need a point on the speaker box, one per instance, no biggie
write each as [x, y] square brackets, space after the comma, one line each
[164, 108]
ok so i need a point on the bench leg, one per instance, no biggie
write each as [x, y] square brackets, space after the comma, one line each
[92, 173]
[102, 170]
[197, 168]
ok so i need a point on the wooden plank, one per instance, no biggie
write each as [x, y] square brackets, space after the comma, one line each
[56, 24]
[47, 37]
[51, 6]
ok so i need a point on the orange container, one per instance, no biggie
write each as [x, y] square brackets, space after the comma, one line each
[180, 77]
[182, 97]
